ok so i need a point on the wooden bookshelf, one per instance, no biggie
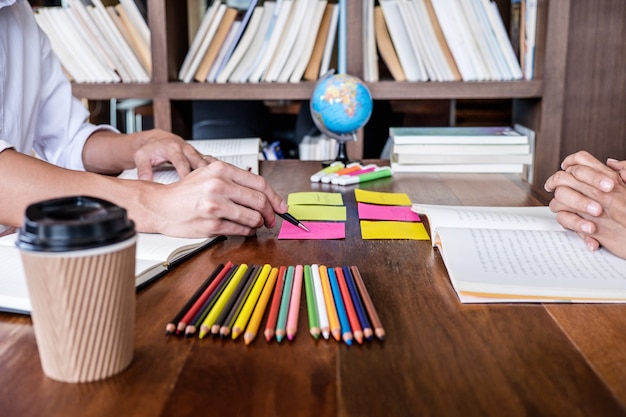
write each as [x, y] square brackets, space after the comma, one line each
[541, 104]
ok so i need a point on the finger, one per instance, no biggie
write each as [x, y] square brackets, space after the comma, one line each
[615, 164]
[580, 158]
[591, 243]
[600, 178]
[577, 201]
[576, 223]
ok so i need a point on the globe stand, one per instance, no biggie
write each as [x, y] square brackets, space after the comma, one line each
[342, 151]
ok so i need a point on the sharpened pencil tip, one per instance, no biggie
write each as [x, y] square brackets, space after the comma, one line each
[303, 227]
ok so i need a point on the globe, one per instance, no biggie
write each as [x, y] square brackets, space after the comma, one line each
[340, 105]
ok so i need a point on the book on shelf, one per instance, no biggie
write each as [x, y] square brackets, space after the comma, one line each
[520, 254]
[199, 43]
[385, 46]
[295, 67]
[292, 35]
[457, 135]
[231, 38]
[242, 47]
[312, 70]
[218, 39]
[460, 168]
[133, 35]
[401, 40]
[440, 40]
[271, 41]
[330, 48]
[459, 159]
[370, 57]
[527, 37]
[155, 255]
[244, 67]
[241, 152]
[237, 35]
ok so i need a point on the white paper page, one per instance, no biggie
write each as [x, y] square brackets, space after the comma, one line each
[535, 218]
[534, 263]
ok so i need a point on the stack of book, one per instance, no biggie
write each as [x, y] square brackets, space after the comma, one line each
[461, 149]
[269, 41]
[443, 40]
[97, 43]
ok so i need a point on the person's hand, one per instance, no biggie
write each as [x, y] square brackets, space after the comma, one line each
[590, 198]
[215, 199]
[155, 147]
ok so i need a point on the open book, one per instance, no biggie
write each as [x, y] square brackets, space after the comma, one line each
[243, 153]
[521, 254]
[155, 255]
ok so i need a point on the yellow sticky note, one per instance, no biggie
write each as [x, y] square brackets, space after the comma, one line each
[393, 230]
[375, 197]
[312, 197]
[316, 212]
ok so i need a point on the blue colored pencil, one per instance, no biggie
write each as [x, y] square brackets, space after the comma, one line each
[346, 330]
[368, 333]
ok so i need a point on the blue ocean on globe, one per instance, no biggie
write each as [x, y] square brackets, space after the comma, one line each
[341, 104]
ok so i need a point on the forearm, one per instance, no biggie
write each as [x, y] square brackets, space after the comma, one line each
[26, 180]
[109, 152]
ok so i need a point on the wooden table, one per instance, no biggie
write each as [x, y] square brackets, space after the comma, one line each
[440, 358]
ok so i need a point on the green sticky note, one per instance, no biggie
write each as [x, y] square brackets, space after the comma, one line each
[388, 199]
[316, 198]
[393, 230]
[316, 212]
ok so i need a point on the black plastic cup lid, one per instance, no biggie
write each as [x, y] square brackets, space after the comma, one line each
[73, 223]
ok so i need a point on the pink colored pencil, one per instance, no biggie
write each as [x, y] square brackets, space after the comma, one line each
[294, 305]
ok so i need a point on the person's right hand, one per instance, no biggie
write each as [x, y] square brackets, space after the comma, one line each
[215, 199]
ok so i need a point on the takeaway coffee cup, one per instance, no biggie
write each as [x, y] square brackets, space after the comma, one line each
[79, 258]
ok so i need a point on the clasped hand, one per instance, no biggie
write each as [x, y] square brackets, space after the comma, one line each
[590, 199]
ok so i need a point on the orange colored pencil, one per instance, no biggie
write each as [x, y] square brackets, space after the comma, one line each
[357, 332]
[259, 310]
[379, 331]
[333, 318]
[270, 325]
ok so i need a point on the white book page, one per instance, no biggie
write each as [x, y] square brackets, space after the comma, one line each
[520, 218]
[530, 263]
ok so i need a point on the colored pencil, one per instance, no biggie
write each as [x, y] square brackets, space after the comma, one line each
[379, 331]
[248, 307]
[333, 319]
[322, 314]
[188, 317]
[203, 310]
[281, 323]
[357, 332]
[314, 327]
[270, 325]
[173, 324]
[255, 321]
[224, 321]
[346, 331]
[294, 306]
[207, 323]
[358, 304]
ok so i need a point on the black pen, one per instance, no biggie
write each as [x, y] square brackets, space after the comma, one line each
[293, 221]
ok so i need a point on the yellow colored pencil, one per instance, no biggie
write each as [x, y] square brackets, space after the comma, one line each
[208, 322]
[248, 307]
[259, 310]
[333, 318]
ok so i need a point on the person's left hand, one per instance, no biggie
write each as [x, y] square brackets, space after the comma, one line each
[155, 147]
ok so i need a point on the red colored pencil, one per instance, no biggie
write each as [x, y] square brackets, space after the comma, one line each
[357, 331]
[270, 325]
[200, 301]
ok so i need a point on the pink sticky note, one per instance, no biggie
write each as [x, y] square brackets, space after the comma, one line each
[379, 212]
[318, 230]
